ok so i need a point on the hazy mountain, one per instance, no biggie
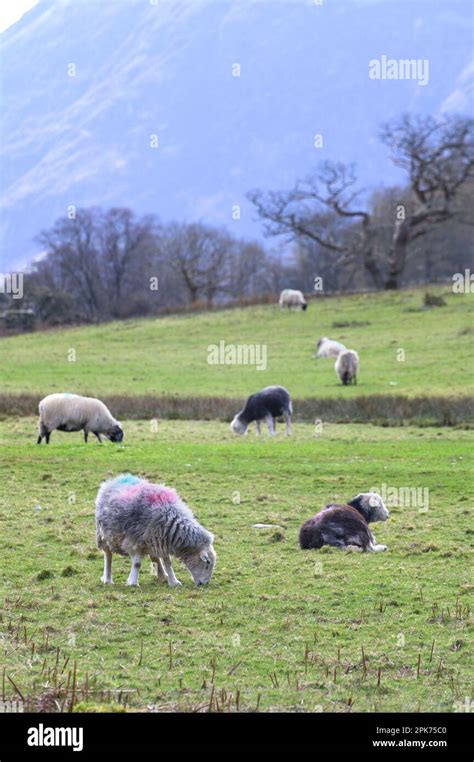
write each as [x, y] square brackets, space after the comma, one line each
[165, 68]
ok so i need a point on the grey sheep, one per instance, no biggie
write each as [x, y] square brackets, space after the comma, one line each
[346, 366]
[71, 412]
[135, 517]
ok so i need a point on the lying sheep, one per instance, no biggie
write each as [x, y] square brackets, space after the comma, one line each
[291, 298]
[135, 517]
[71, 412]
[347, 365]
[346, 526]
[268, 404]
[329, 348]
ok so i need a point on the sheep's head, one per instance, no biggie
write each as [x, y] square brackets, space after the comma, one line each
[115, 434]
[201, 564]
[238, 426]
[371, 506]
[304, 306]
[320, 347]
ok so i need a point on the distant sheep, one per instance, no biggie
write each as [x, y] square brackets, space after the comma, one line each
[291, 298]
[268, 404]
[347, 365]
[329, 348]
[71, 412]
[346, 526]
[136, 518]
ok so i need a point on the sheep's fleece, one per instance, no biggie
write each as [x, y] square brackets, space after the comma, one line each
[135, 517]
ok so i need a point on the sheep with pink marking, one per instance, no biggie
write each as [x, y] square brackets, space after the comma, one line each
[136, 518]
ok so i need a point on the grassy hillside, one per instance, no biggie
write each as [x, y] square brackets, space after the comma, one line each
[277, 628]
[169, 355]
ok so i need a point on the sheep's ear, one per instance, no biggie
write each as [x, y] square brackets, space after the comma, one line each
[358, 503]
[204, 555]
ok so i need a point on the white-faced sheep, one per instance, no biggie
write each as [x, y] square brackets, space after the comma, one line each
[346, 526]
[291, 298]
[136, 518]
[71, 412]
[346, 366]
[268, 404]
[329, 348]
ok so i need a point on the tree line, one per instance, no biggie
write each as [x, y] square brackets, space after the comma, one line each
[101, 264]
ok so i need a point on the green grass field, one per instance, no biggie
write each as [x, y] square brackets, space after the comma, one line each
[277, 628]
[169, 355]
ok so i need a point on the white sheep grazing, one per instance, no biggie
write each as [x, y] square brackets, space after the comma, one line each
[347, 365]
[71, 412]
[135, 518]
[291, 298]
[329, 348]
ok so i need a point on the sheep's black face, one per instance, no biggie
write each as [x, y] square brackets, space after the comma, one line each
[305, 306]
[115, 434]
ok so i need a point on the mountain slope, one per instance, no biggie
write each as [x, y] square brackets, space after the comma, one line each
[165, 69]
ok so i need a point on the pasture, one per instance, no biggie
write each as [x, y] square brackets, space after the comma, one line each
[277, 628]
[405, 349]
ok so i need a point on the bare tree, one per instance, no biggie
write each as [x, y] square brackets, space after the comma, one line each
[73, 249]
[200, 255]
[439, 159]
[247, 266]
[327, 209]
[127, 246]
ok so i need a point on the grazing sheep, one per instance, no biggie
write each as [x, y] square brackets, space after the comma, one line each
[347, 365]
[71, 412]
[329, 348]
[346, 526]
[268, 404]
[291, 298]
[135, 517]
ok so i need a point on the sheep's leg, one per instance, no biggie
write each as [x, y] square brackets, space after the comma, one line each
[172, 581]
[96, 434]
[376, 548]
[135, 570]
[47, 435]
[373, 547]
[287, 418]
[257, 427]
[42, 432]
[271, 426]
[158, 569]
[86, 434]
[107, 576]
